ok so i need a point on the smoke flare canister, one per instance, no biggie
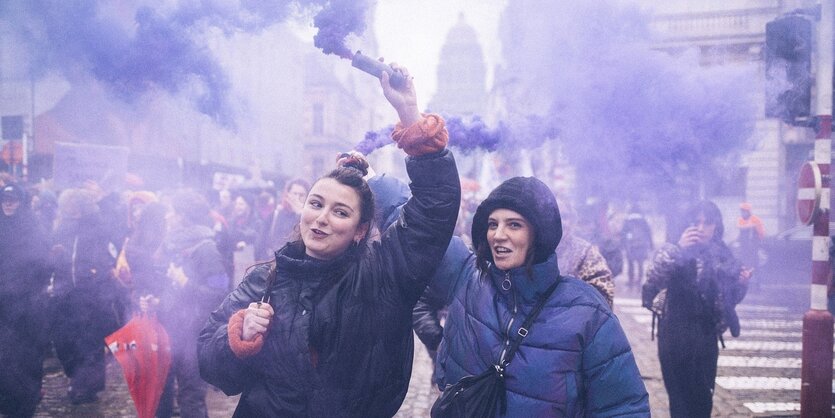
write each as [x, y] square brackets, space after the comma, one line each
[376, 68]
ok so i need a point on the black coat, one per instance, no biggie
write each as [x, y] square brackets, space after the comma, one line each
[340, 343]
[24, 275]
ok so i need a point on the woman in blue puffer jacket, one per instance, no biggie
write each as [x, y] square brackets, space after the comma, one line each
[576, 360]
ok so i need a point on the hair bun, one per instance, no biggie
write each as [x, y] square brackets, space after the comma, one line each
[359, 164]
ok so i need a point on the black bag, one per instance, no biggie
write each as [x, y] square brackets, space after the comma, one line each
[483, 395]
[473, 396]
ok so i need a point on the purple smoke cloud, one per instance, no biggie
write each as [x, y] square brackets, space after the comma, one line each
[162, 48]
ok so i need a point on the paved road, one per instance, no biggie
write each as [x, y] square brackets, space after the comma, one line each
[759, 373]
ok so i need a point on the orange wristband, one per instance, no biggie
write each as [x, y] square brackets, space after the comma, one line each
[425, 136]
[234, 330]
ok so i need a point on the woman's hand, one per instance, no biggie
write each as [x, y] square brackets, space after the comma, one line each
[403, 100]
[690, 237]
[256, 320]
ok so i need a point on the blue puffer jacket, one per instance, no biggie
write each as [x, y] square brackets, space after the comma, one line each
[575, 362]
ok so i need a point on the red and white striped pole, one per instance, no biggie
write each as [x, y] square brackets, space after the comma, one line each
[816, 370]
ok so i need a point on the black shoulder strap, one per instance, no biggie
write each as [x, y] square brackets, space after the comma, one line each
[270, 280]
[526, 326]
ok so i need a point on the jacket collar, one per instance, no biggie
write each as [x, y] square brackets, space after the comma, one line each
[528, 288]
[292, 262]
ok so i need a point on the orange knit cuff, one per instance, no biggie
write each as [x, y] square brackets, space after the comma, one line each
[234, 330]
[423, 137]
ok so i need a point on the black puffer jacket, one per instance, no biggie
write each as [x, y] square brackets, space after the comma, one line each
[340, 343]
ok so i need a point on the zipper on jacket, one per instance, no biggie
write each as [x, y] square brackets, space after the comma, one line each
[509, 324]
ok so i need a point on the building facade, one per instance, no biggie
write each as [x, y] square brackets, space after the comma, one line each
[726, 33]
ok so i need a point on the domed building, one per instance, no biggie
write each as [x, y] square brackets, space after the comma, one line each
[461, 74]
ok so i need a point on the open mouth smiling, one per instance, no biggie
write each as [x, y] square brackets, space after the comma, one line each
[502, 250]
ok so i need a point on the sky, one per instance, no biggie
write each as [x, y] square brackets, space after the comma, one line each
[412, 33]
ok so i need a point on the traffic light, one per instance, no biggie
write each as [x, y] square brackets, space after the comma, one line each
[788, 57]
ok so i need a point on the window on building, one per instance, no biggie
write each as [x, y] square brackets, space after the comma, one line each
[318, 119]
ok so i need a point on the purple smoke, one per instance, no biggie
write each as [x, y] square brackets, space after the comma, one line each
[464, 136]
[161, 48]
[336, 21]
[74, 38]
[374, 140]
[626, 114]
[472, 135]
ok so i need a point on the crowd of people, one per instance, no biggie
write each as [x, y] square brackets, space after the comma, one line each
[513, 277]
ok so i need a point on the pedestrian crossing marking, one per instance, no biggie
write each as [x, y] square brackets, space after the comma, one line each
[763, 407]
[768, 324]
[758, 383]
[762, 345]
[760, 362]
[633, 302]
[771, 334]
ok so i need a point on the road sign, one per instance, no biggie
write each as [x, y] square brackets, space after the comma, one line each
[12, 152]
[808, 192]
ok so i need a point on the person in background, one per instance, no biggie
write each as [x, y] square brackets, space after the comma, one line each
[137, 201]
[24, 275]
[141, 254]
[197, 282]
[579, 258]
[751, 234]
[244, 224]
[694, 285]
[87, 301]
[636, 237]
[285, 217]
[225, 203]
[593, 225]
[325, 329]
[265, 206]
[46, 210]
[220, 216]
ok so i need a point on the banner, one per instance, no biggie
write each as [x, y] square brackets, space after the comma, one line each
[73, 164]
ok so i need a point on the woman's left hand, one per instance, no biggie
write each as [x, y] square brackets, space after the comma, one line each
[256, 320]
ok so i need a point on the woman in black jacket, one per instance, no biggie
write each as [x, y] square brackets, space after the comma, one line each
[333, 335]
[701, 282]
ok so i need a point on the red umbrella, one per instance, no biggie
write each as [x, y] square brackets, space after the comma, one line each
[144, 351]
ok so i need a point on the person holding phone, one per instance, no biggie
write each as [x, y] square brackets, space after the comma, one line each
[694, 285]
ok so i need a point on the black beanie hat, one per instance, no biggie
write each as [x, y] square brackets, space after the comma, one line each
[532, 199]
[14, 192]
